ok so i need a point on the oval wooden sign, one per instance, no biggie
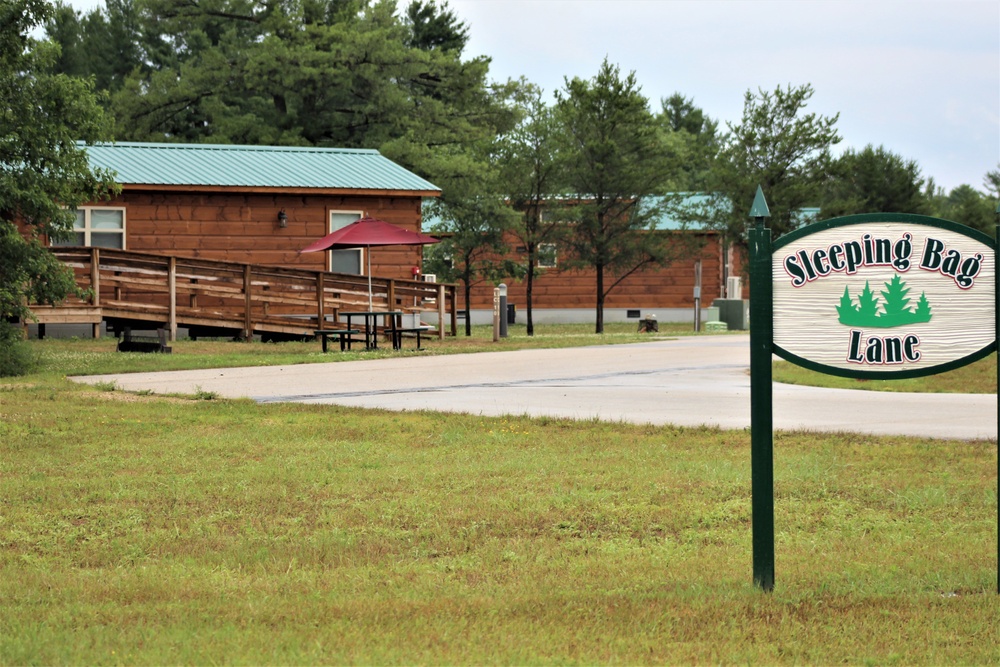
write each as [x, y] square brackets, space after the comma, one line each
[884, 295]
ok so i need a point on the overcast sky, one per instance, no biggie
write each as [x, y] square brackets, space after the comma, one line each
[920, 78]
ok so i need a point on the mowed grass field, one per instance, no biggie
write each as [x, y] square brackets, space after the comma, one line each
[178, 530]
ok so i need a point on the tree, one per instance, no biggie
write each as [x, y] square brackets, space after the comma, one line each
[432, 27]
[617, 162]
[873, 180]
[779, 147]
[531, 170]
[472, 248]
[991, 181]
[104, 43]
[44, 171]
[344, 73]
[968, 206]
[698, 139]
[472, 218]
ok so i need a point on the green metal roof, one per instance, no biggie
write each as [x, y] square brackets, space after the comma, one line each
[253, 166]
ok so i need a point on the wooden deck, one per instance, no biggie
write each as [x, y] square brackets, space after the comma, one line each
[209, 297]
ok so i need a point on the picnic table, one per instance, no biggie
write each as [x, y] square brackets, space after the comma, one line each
[369, 319]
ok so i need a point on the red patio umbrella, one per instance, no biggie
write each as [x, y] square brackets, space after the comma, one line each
[365, 233]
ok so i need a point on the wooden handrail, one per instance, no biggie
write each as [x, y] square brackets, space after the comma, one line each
[243, 297]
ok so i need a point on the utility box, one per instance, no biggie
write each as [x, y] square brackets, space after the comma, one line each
[734, 312]
[734, 287]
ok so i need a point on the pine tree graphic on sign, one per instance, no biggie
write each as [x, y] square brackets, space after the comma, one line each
[893, 311]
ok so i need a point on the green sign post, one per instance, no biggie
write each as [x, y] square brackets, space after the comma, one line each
[865, 296]
[761, 412]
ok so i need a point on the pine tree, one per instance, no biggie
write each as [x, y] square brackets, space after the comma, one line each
[847, 310]
[923, 311]
[896, 303]
[868, 306]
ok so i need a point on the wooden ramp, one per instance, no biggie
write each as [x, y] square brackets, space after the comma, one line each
[216, 298]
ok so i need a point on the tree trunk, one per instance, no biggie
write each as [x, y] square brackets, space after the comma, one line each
[468, 304]
[599, 315]
[528, 289]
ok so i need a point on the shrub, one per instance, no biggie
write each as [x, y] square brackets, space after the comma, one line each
[16, 357]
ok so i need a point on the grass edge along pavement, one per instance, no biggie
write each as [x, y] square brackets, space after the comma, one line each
[96, 357]
[145, 529]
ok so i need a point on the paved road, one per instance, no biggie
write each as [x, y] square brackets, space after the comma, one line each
[688, 381]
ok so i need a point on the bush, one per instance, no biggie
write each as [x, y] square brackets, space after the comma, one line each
[16, 357]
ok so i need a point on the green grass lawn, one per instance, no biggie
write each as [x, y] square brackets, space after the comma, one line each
[88, 356]
[977, 378]
[155, 530]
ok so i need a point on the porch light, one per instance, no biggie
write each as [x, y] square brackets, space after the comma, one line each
[282, 219]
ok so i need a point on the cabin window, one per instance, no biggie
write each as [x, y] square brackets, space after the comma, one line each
[100, 227]
[546, 255]
[350, 260]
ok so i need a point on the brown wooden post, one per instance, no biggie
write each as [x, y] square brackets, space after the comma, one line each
[247, 323]
[440, 300]
[172, 290]
[390, 294]
[320, 301]
[95, 285]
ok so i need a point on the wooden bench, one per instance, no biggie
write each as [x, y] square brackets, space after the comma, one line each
[397, 335]
[133, 343]
[344, 335]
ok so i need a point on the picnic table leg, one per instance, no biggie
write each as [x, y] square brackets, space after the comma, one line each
[323, 342]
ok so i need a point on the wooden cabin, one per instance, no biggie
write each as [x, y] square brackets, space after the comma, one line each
[252, 204]
[561, 294]
[207, 238]
[569, 295]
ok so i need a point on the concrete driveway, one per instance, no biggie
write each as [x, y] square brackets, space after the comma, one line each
[687, 381]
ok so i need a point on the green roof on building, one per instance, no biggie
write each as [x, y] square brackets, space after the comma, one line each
[254, 166]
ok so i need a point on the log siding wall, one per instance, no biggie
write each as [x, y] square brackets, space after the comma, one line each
[670, 287]
[243, 226]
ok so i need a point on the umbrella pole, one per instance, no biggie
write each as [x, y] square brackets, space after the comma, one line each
[368, 252]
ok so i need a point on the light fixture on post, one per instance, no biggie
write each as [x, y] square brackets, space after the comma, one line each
[282, 219]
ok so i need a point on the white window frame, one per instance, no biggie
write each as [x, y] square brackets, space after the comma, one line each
[88, 228]
[332, 228]
[547, 265]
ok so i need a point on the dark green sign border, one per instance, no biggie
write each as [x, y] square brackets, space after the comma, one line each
[870, 218]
